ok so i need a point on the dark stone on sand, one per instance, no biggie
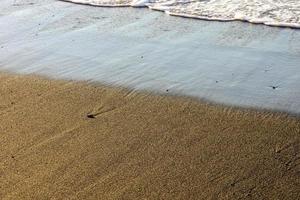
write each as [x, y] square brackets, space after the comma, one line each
[91, 116]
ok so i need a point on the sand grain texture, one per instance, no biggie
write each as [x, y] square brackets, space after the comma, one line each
[138, 146]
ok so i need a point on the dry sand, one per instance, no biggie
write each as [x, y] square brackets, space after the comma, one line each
[66, 140]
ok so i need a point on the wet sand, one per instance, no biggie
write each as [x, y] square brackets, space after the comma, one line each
[67, 140]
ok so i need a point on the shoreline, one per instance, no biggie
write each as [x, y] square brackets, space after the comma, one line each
[79, 140]
[228, 63]
[168, 93]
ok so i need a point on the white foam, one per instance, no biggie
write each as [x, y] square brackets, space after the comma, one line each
[285, 13]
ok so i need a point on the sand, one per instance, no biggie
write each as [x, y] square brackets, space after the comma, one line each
[67, 140]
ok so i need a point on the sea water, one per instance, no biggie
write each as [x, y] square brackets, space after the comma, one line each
[270, 12]
[234, 63]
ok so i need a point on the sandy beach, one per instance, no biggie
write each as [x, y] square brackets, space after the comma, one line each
[128, 103]
[73, 140]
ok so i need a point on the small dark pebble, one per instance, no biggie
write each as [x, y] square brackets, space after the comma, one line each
[167, 90]
[217, 81]
[2, 47]
[274, 87]
[142, 56]
[91, 116]
[12, 103]
[12, 157]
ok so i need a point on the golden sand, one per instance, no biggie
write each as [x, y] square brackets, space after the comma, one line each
[66, 140]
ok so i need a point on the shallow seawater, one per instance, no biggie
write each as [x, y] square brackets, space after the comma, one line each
[269, 12]
[234, 63]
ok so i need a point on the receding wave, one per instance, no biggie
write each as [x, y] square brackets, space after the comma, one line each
[284, 13]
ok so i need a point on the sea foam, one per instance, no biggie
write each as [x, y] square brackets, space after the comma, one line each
[285, 13]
